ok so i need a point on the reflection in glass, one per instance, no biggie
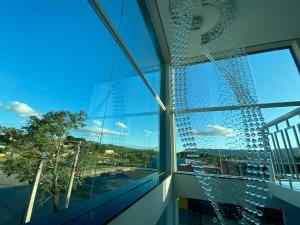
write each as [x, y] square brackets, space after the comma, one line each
[76, 121]
[127, 18]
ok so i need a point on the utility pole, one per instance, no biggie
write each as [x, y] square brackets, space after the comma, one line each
[35, 185]
[71, 181]
[221, 165]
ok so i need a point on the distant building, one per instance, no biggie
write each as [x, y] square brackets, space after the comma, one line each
[109, 152]
[233, 167]
[70, 144]
[187, 167]
[181, 161]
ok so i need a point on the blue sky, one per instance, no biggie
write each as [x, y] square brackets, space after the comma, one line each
[57, 55]
[276, 80]
[62, 58]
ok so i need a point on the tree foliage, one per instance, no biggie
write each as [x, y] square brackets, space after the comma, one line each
[43, 139]
[9, 135]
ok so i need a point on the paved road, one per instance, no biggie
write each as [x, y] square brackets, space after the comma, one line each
[14, 195]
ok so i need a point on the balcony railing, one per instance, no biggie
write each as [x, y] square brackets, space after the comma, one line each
[282, 140]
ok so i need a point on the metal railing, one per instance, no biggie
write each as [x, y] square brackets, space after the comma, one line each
[282, 140]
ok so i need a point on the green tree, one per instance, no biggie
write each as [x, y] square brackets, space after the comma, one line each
[43, 144]
[9, 135]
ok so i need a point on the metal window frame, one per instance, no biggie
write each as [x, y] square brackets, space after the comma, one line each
[153, 22]
[292, 45]
[97, 211]
[96, 5]
[167, 125]
[164, 99]
[240, 107]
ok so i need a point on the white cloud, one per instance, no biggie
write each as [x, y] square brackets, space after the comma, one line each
[121, 125]
[216, 130]
[22, 109]
[150, 133]
[96, 131]
[96, 122]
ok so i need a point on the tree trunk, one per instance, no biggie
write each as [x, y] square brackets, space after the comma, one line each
[71, 181]
[56, 201]
[55, 190]
[35, 185]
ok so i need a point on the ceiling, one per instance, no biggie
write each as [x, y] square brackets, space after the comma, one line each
[257, 22]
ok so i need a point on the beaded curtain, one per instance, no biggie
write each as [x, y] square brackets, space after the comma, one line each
[220, 76]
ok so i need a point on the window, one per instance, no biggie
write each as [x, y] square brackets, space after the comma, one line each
[75, 117]
[128, 19]
[276, 76]
[277, 82]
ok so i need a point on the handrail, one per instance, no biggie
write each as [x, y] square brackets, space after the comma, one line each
[285, 117]
[284, 146]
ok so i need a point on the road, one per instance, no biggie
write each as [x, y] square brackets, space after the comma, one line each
[14, 195]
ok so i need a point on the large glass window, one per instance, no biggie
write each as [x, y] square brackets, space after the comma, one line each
[276, 80]
[276, 76]
[76, 120]
[127, 17]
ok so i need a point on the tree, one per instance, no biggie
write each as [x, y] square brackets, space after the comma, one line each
[42, 146]
[9, 135]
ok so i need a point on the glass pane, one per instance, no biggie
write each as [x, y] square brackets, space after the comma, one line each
[273, 113]
[276, 76]
[126, 126]
[75, 118]
[220, 143]
[207, 87]
[128, 20]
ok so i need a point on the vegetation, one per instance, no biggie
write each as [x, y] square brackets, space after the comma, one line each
[48, 141]
[43, 140]
[206, 158]
[215, 161]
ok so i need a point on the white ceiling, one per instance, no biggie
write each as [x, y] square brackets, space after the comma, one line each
[258, 22]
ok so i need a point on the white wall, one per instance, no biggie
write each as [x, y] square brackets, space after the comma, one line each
[189, 187]
[259, 22]
[147, 210]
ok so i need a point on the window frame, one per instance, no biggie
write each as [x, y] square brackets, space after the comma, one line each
[293, 46]
[101, 208]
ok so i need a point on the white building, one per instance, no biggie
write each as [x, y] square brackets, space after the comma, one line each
[109, 152]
